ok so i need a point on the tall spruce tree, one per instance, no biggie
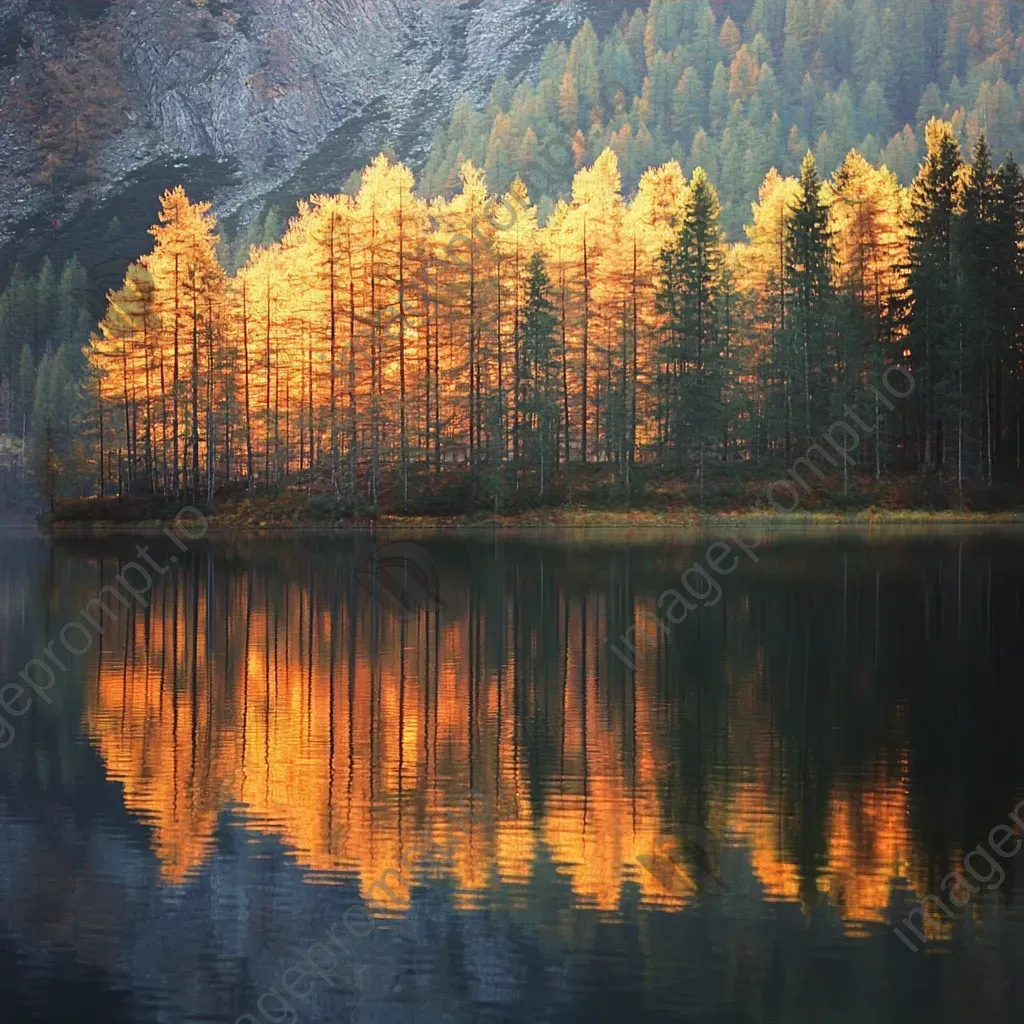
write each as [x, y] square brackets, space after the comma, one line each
[809, 263]
[1009, 186]
[976, 236]
[932, 300]
[689, 297]
[538, 372]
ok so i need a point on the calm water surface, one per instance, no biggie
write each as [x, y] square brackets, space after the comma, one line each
[717, 832]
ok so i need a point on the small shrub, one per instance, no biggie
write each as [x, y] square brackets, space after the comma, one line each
[324, 508]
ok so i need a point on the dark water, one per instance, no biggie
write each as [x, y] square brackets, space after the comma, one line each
[717, 829]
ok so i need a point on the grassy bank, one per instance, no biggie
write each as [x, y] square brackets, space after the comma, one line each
[590, 497]
[294, 510]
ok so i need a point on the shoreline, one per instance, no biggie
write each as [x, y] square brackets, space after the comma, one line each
[566, 519]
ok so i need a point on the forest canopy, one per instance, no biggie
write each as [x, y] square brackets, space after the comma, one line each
[386, 341]
[514, 328]
[738, 88]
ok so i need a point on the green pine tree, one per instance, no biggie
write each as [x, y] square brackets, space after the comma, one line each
[690, 295]
[538, 373]
[809, 261]
[932, 305]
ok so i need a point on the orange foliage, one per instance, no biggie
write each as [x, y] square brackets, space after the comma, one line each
[385, 330]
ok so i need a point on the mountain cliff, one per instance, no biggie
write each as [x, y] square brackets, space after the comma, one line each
[235, 97]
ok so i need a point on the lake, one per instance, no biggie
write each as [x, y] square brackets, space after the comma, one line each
[476, 776]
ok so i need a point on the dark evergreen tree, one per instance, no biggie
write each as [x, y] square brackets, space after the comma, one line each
[933, 309]
[808, 268]
[690, 297]
[1009, 275]
[977, 359]
[538, 373]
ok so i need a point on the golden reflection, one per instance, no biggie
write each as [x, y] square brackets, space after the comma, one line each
[867, 841]
[350, 733]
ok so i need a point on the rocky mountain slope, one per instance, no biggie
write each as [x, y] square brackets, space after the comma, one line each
[236, 96]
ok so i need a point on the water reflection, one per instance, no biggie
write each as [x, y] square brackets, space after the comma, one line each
[804, 758]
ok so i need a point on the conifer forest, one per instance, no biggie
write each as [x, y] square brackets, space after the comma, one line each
[658, 268]
[511, 511]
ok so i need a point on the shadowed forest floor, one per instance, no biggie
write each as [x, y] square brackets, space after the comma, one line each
[595, 498]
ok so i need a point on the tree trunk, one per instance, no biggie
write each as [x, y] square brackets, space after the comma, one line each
[247, 370]
[565, 379]
[333, 328]
[404, 439]
[586, 345]
[195, 386]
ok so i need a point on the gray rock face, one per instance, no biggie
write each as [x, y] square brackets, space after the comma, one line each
[262, 84]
